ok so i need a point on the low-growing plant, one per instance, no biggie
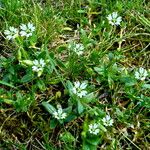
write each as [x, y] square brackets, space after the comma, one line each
[74, 74]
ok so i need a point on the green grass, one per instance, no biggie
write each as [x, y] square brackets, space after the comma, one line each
[111, 57]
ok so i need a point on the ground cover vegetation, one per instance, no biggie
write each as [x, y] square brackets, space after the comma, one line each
[74, 74]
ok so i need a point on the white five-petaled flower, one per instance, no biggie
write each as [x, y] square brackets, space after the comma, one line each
[59, 114]
[107, 121]
[79, 89]
[38, 65]
[11, 33]
[77, 48]
[27, 30]
[141, 74]
[114, 19]
[94, 129]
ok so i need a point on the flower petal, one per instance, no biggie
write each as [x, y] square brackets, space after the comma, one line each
[77, 84]
[83, 85]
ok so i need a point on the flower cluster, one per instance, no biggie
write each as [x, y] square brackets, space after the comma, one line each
[94, 128]
[107, 121]
[11, 33]
[114, 19]
[38, 65]
[77, 48]
[79, 89]
[25, 30]
[59, 114]
[141, 74]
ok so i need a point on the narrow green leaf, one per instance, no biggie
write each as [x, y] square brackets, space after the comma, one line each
[53, 123]
[80, 11]
[93, 140]
[49, 107]
[8, 101]
[27, 78]
[80, 107]
[87, 146]
[7, 84]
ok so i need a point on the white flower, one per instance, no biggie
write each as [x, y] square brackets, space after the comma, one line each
[79, 89]
[77, 48]
[38, 65]
[59, 114]
[114, 19]
[107, 121]
[93, 129]
[11, 33]
[141, 74]
[27, 30]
